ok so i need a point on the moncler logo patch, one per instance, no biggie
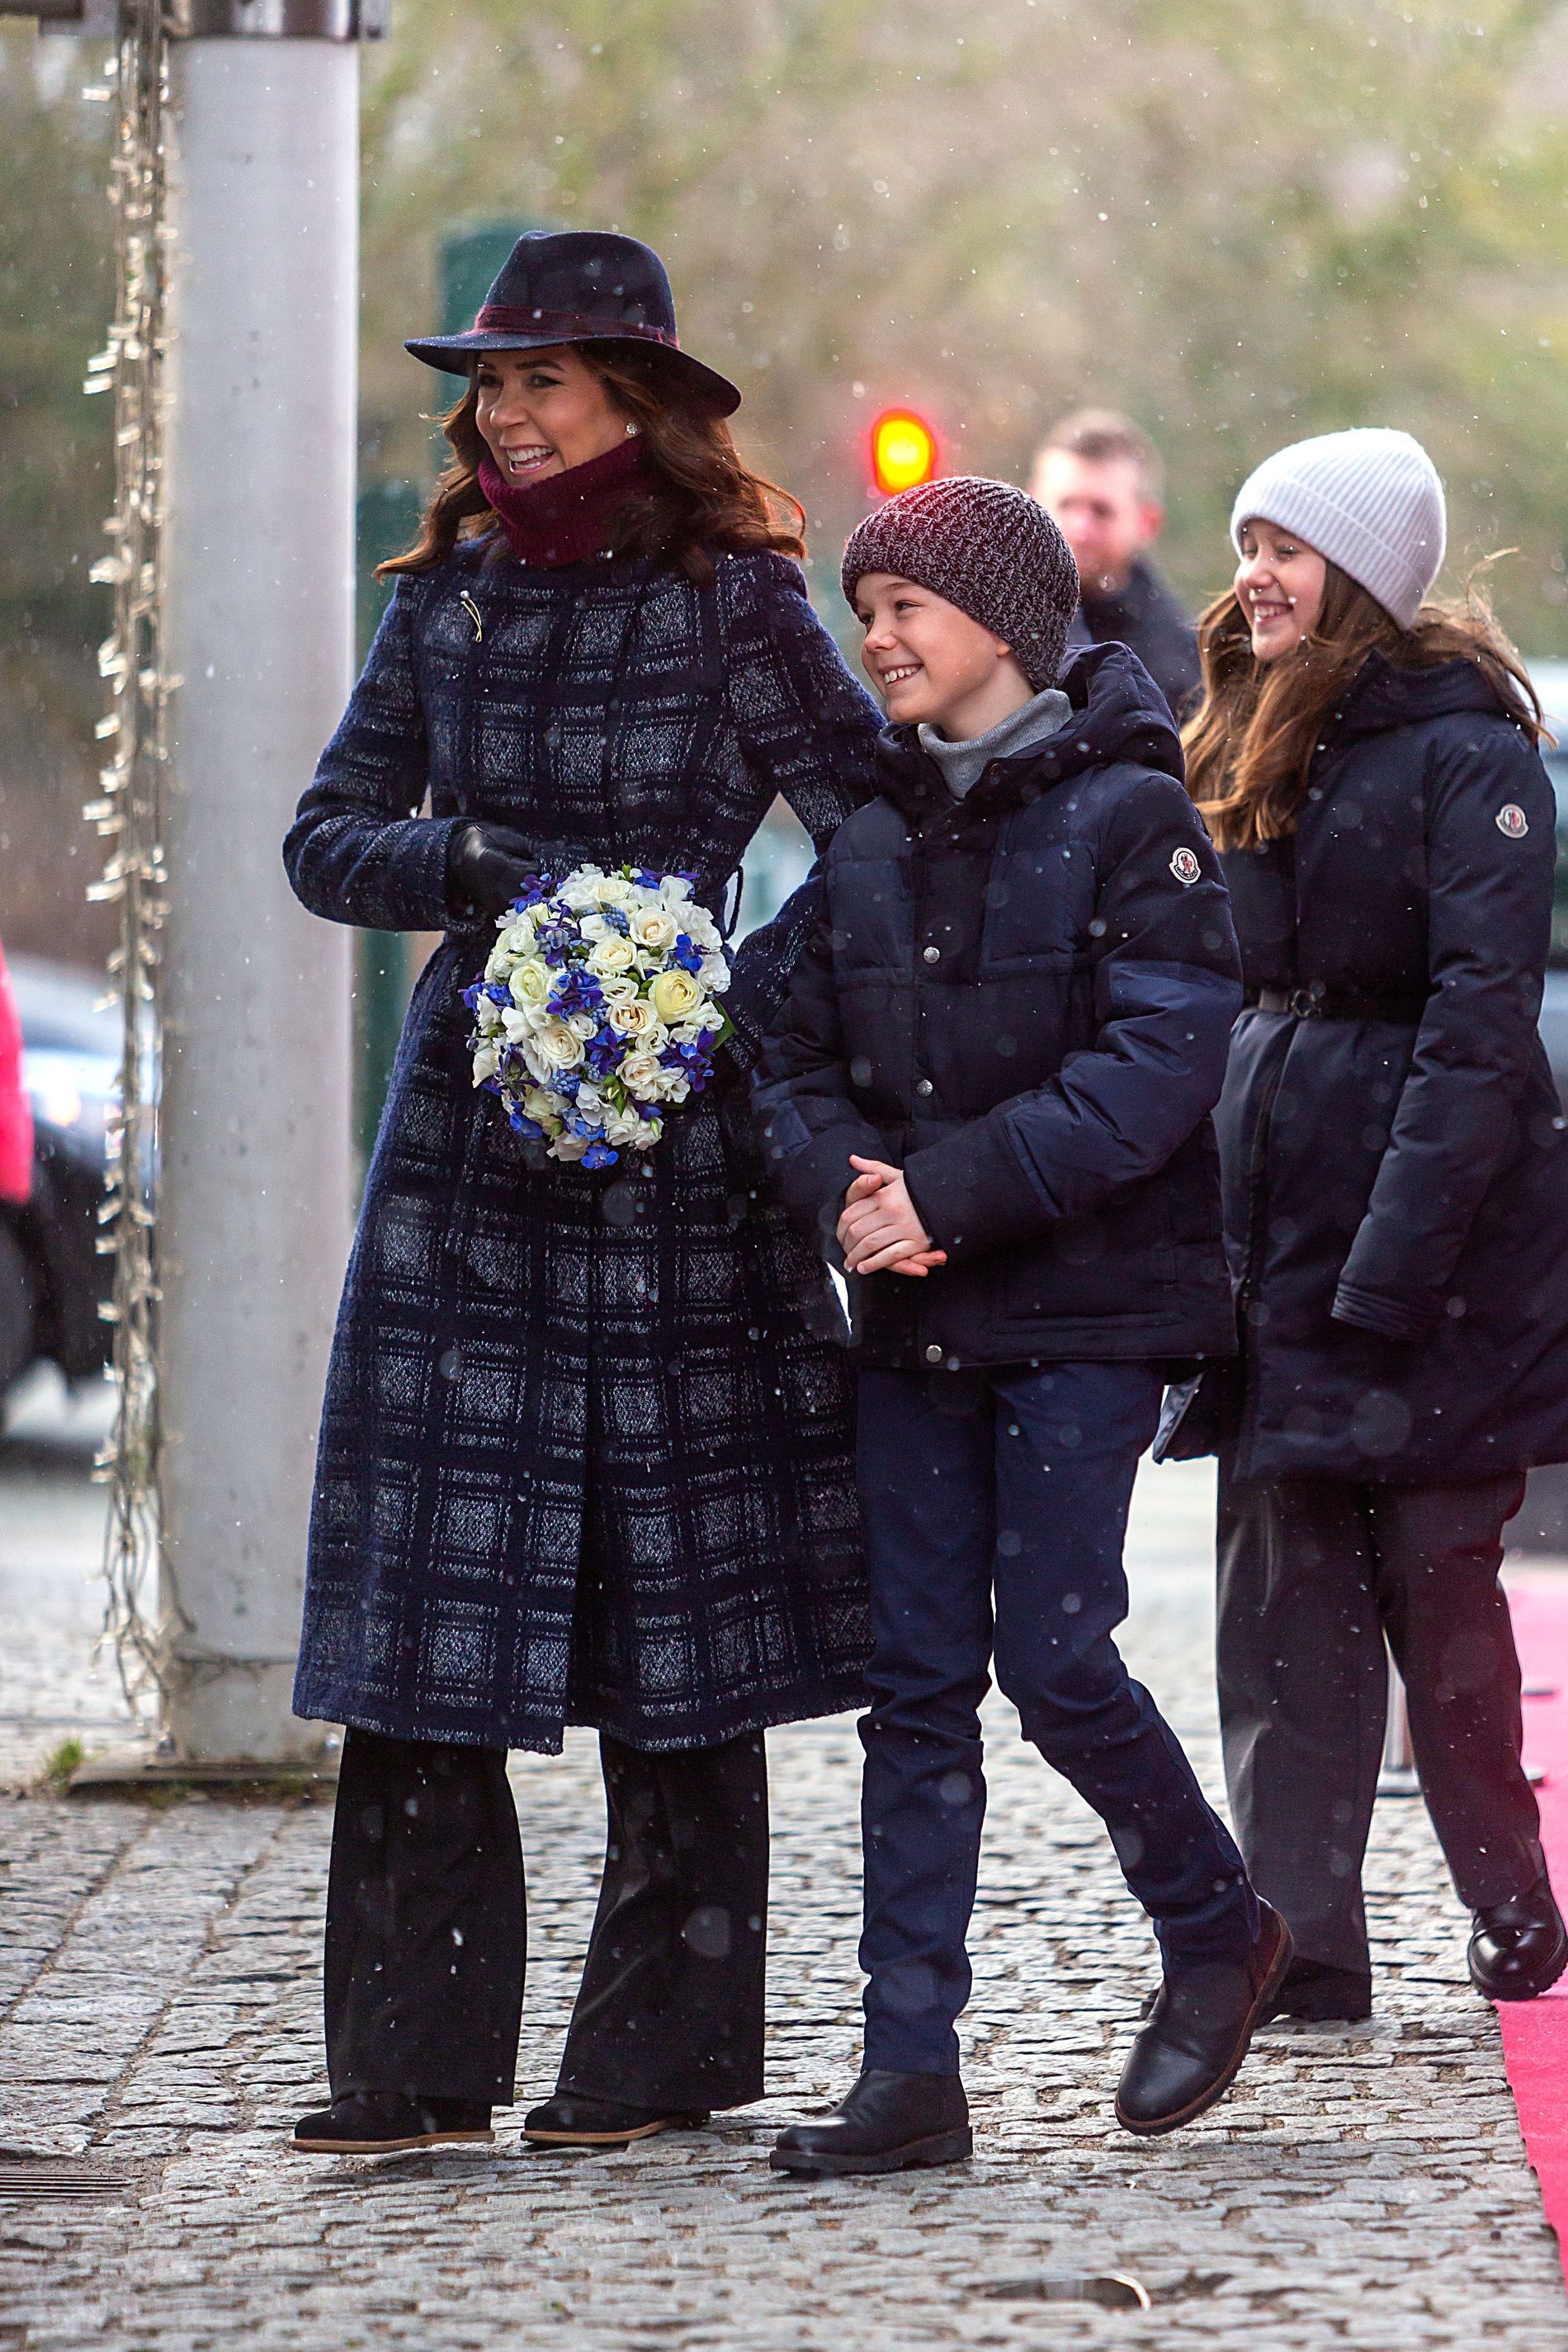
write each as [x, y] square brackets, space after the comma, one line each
[1186, 870]
[1512, 819]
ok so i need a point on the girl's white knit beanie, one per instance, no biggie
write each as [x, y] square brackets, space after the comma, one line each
[1369, 499]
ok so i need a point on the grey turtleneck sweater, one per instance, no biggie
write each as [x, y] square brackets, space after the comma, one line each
[962, 763]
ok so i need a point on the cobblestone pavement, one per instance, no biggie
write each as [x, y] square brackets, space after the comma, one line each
[1362, 2187]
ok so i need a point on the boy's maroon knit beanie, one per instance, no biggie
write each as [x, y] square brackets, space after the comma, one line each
[986, 547]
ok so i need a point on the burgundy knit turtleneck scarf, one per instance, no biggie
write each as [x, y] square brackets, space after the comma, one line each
[565, 519]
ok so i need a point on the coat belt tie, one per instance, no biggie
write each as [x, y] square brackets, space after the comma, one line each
[1318, 1003]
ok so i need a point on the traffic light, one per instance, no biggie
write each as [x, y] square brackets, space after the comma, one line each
[903, 451]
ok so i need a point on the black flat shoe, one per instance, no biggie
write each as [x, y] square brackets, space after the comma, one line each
[573, 2119]
[1321, 1995]
[1519, 1947]
[888, 2123]
[370, 2123]
[1198, 2032]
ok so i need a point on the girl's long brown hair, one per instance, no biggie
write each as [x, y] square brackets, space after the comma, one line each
[701, 495]
[1250, 744]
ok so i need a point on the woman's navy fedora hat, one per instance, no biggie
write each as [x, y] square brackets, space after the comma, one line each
[579, 286]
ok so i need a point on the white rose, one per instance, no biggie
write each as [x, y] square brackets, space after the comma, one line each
[641, 1074]
[544, 1105]
[551, 1046]
[529, 981]
[568, 1146]
[612, 956]
[653, 930]
[487, 1062]
[676, 996]
[615, 890]
[675, 889]
[701, 929]
[715, 974]
[623, 990]
[635, 1018]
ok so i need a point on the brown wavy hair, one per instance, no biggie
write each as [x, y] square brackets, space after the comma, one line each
[702, 494]
[1250, 742]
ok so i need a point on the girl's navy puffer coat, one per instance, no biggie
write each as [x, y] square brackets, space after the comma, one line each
[1024, 1000]
[1394, 1157]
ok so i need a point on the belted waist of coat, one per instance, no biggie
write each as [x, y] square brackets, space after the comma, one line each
[1315, 1003]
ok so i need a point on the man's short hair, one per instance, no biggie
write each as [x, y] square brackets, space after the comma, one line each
[1100, 433]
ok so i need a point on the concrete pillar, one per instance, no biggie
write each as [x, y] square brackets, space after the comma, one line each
[255, 1194]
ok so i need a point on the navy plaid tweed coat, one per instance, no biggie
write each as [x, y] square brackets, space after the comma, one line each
[587, 1448]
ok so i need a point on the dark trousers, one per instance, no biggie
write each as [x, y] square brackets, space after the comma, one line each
[1313, 1573]
[426, 1939]
[1011, 1487]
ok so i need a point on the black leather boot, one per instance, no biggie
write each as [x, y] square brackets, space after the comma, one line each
[574, 2119]
[375, 2123]
[1198, 2032]
[1519, 1948]
[1321, 1994]
[887, 2124]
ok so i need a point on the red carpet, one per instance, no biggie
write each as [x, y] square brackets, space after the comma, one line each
[1535, 2032]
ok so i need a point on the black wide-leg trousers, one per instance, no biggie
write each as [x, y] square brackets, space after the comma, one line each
[426, 1939]
[1314, 1571]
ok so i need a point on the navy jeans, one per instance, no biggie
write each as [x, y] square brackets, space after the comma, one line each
[1013, 1483]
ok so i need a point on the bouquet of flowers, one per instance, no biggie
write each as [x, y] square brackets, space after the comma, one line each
[597, 1009]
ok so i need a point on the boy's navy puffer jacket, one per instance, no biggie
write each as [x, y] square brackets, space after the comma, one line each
[1023, 998]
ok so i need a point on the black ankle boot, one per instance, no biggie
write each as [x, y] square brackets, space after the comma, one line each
[1519, 1947]
[887, 2124]
[576, 2120]
[1320, 1994]
[375, 2123]
[1198, 2032]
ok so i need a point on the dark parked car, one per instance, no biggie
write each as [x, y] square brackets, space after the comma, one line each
[52, 1277]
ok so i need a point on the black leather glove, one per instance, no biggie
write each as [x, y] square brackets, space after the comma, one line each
[486, 865]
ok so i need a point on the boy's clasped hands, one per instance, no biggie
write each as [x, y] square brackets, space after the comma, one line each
[880, 1228]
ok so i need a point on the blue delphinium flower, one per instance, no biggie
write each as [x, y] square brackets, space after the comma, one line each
[529, 1128]
[599, 1155]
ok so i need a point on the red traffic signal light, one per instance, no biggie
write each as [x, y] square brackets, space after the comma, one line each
[903, 451]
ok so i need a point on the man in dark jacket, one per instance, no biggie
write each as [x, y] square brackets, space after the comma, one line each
[1099, 476]
[990, 1091]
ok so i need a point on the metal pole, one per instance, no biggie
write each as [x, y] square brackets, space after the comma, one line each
[257, 1096]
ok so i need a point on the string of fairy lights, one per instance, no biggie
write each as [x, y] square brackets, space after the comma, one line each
[128, 811]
